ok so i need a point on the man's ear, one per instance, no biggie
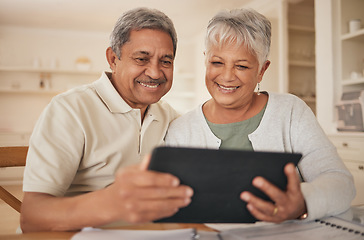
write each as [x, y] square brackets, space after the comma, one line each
[111, 58]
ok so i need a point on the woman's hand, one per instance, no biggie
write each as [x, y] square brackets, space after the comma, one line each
[287, 205]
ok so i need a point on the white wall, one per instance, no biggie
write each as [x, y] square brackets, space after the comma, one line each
[19, 46]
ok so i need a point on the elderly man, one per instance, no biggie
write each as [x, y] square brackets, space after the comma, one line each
[78, 171]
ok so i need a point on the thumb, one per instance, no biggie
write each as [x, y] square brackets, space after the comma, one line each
[145, 162]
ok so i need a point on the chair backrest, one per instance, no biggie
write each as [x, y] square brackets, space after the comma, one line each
[12, 157]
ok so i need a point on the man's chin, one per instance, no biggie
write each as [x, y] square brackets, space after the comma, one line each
[151, 100]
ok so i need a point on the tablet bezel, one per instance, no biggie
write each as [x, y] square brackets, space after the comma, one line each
[218, 177]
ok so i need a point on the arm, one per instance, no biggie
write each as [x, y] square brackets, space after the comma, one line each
[136, 196]
[324, 174]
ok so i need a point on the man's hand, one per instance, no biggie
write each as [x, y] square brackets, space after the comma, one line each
[288, 204]
[138, 195]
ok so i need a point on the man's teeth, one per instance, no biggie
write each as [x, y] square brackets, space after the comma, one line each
[149, 86]
[227, 88]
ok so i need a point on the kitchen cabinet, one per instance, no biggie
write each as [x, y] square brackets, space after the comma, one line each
[340, 56]
[301, 52]
[293, 65]
[350, 147]
[339, 52]
[351, 45]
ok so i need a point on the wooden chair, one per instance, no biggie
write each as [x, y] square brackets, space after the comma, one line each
[12, 157]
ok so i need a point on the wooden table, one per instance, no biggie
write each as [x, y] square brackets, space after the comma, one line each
[68, 235]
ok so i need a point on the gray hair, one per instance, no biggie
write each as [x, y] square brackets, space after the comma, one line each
[137, 19]
[240, 26]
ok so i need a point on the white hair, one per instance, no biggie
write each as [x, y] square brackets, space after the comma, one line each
[241, 27]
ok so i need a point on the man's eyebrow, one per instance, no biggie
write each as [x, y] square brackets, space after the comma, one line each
[141, 53]
[170, 56]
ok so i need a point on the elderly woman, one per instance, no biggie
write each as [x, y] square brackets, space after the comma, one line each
[237, 117]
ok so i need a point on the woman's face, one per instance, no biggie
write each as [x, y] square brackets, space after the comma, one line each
[232, 74]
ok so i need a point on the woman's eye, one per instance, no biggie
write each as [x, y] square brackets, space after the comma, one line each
[241, 67]
[216, 63]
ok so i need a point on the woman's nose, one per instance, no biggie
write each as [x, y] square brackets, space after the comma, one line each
[228, 74]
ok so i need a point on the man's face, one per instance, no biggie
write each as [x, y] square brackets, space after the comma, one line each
[144, 72]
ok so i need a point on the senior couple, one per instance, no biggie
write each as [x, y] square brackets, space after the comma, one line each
[88, 154]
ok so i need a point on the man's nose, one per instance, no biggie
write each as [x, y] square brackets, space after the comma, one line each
[153, 70]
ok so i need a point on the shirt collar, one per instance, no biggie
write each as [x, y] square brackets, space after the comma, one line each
[108, 94]
[115, 103]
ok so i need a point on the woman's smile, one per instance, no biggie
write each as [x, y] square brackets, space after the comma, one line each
[227, 89]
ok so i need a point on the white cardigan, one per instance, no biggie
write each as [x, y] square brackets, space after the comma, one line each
[288, 125]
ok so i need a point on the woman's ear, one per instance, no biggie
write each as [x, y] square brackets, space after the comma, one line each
[263, 69]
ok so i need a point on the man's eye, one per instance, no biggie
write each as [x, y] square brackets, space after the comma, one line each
[141, 60]
[166, 63]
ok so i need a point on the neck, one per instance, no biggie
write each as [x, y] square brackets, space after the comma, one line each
[219, 114]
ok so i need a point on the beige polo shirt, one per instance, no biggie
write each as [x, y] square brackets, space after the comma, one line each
[84, 135]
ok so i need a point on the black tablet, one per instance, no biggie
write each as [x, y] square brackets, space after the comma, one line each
[217, 178]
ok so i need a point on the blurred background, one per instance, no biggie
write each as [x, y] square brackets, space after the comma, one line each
[317, 53]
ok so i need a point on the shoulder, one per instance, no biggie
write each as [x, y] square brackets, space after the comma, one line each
[186, 120]
[165, 110]
[187, 130]
[285, 101]
[286, 98]
[70, 103]
[75, 94]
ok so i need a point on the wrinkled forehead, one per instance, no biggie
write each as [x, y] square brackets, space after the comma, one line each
[149, 42]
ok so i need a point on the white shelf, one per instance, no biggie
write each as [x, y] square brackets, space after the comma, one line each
[47, 70]
[298, 63]
[356, 36]
[30, 91]
[349, 82]
[297, 28]
[309, 99]
[346, 134]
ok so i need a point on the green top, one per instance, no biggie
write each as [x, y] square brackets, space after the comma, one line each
[235, 135]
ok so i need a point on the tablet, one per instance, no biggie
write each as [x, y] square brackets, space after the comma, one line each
[217, 178]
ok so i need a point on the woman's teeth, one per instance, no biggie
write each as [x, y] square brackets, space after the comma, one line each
[227, 88]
